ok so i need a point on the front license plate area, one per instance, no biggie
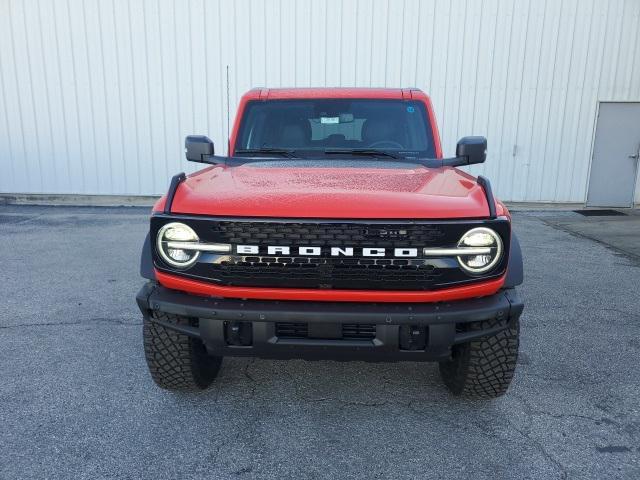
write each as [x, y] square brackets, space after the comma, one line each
[325, 330]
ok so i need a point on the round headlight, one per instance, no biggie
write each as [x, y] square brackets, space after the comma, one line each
[487, 250]
[173, 234]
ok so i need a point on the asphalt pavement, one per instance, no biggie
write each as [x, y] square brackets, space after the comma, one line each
[76, 400]
[621, 231]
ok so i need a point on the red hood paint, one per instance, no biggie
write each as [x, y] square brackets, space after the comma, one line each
[312, 192]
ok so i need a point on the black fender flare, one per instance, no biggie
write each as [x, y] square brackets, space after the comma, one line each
[146, 260]
[515, 268]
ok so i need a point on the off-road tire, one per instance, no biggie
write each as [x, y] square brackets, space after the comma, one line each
[483, 368]
[177, 361]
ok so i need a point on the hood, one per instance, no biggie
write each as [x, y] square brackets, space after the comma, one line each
[331, 189]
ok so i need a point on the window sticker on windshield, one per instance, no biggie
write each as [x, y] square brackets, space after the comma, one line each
[329, 119]
[411, 109]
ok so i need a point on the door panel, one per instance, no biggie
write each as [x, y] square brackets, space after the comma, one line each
[615, 155]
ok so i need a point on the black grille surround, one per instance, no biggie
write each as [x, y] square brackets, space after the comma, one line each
[325, 271]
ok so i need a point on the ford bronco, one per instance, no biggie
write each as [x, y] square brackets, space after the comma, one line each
[333, 229]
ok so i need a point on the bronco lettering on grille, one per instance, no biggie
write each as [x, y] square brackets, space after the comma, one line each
[328, 251]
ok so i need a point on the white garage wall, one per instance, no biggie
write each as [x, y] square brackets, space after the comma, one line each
[96, 96]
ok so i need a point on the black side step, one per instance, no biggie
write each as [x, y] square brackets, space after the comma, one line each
[486, 186]
[176, 180]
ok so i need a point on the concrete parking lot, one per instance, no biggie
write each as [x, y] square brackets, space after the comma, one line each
[77, 401]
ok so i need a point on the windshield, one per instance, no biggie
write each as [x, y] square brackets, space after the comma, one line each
[320, 127]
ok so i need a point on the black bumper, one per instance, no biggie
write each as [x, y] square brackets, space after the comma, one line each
[398, 331]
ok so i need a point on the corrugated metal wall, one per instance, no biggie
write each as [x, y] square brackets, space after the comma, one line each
[96, 96]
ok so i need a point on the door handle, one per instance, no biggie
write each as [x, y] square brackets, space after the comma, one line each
[635, 157]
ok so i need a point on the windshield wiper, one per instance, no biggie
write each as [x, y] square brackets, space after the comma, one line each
[268, 151]
[368, 152]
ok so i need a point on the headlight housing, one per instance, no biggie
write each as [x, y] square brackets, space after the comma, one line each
[480, 238]
[172, 236]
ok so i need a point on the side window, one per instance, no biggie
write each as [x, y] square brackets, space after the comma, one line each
[255, 132]
[250, 126]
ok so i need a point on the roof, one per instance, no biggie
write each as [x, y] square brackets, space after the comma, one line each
[324, 92]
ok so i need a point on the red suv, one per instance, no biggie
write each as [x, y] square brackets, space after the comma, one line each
[334, 229]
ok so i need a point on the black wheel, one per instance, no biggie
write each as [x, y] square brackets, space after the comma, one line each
[177, 361]
[483, 368]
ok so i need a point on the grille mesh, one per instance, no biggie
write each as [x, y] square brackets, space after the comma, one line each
[327, 272]
[322, 234]
[374, 273]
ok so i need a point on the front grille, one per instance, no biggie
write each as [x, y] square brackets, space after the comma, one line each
[324, 271]
[321, 234]
[379, 274]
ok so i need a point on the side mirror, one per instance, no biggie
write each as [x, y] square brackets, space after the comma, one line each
[472, 150]
[197, 148]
